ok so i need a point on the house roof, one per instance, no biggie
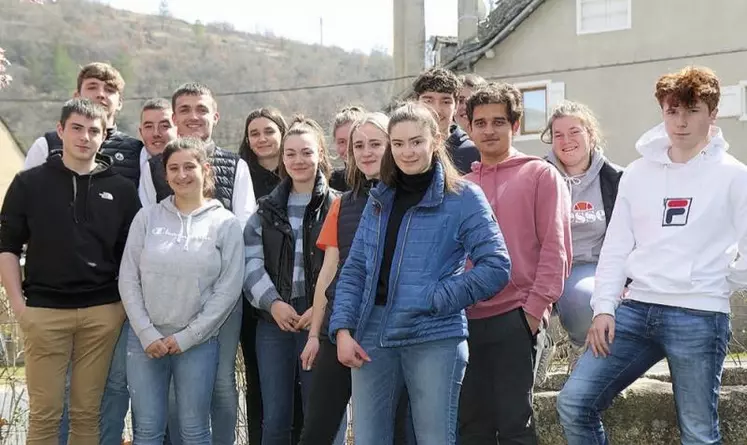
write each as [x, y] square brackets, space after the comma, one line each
[506, 16]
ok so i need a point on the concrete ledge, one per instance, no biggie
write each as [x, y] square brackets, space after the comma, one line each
[644, 414]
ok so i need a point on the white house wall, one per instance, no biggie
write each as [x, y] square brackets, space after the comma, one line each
[615, 72]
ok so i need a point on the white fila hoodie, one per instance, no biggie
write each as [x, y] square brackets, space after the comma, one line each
[675, 229]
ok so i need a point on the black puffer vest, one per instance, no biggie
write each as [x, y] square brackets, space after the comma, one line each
[123, 150]
[351, 209]
[279, 242]
[224, 165]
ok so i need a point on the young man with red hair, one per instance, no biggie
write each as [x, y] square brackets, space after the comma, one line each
[679, 221]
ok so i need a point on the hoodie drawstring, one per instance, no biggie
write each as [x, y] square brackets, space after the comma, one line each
[75, 198]
[189, 229]
[571, 181]
[181, 230]
[88, 197]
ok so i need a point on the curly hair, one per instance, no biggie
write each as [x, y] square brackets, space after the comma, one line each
[437, 80]
[687, 86]
[581, 112]
[498, 93]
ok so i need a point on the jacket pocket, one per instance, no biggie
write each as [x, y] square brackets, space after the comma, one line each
[172, 301]
[525, 323]
[23, 319]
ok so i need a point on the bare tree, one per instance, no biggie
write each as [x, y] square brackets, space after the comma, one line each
[164, 12]
[4, 77]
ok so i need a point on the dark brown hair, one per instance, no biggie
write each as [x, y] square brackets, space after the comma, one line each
[273, 115]
[497, 93]
[83, 107]
[688, 86]
[424, 117]
[197, 147]
[103, 72]
[302, 125]
[353, 176]
[193, 89]
[437, 80]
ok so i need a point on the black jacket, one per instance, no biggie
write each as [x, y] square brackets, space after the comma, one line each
[75, 226]
[123, 150]
[462, 150]
[351, 209]
[278, 240]
[338, 180]
[609, 178]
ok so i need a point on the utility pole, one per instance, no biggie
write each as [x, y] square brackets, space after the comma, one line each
[321, 31]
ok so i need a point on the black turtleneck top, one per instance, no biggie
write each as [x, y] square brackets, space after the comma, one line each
[410, 190]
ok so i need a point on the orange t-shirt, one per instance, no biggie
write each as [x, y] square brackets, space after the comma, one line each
[328, 235]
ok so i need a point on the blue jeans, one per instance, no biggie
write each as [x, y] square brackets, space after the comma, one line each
[225, 404]
[115, 401]
[574, 305]
[693, 342]
[278, 358]
[193, 373]
[432, 372]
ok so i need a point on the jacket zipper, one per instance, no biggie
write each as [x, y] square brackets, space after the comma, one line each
[393, 285]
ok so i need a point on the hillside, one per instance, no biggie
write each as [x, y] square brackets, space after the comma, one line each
[47, 44]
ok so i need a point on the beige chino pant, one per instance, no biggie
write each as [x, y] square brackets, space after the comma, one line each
[52, 338]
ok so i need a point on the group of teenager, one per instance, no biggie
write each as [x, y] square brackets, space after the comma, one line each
[418, 281]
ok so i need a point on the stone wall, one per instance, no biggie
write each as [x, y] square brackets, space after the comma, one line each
[644, 414]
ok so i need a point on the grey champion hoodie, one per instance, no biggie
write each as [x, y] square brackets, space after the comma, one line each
[588, 221]
[181, 274]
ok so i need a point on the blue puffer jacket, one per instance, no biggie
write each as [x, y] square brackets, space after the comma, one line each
[428, 287]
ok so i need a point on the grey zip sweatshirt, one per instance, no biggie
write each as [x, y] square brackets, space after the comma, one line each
[181, 274]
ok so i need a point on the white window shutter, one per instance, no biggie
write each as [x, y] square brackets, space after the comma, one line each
[555, 95]
[730, 104]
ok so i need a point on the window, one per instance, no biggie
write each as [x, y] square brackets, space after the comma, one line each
[539, 99]
[733, 101]
[594, 16]
[535, 110]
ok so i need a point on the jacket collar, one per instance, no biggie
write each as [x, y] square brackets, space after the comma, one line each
[433, 197]
[277, 200]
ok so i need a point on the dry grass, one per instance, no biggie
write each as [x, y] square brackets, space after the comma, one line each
[13, 409]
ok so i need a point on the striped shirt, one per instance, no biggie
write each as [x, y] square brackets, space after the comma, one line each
[257, 283]
[297, 203]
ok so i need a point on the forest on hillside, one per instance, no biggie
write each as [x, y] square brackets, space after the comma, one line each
[46, 45]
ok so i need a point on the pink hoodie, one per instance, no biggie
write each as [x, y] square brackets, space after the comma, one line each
[533, 207]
